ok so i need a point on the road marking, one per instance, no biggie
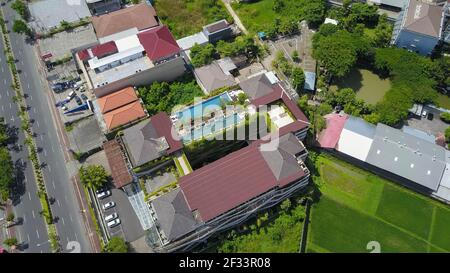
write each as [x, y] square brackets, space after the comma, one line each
[28, 85]
[53, 183]
[34, 110]
[29, 196]
[76, 237]
[59, 204]
[24, 218]
[34, 216]
[37, 123]
[28, 237]
[52, 148]
[20, 236]
[64, 223]
[3, 108]
[49, 169]
[71, 220]
[41, 137]
[37, 232]
[4, 81]
[10, 106]
[31, 97]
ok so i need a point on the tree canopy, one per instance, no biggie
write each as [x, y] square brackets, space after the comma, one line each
[116, 245]
[93, 176]
[202, 54]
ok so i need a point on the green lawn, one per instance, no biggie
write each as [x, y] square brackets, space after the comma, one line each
[188, 17]
[357, 207]
[443, 101]
[257, 15]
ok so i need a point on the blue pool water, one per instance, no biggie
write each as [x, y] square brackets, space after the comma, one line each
[196, 111]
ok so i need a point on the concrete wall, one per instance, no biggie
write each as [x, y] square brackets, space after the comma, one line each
[416, 42]
[168, 71]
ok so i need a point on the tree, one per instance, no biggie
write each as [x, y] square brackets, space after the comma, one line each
[242, 97]
[10, 242]
[202, 55]
[116, 245]
[298, 78]
[447, 134]
[7, 173]
[21, 27]
[314, 12]
[445, 117]
[295, 56]
[21, 8]
[10, 217]
[65, 25]
[93, 176]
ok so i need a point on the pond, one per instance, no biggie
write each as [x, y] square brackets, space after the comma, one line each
[367, 85]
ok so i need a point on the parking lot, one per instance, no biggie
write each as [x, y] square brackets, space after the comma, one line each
[434, 126]
[129, 228]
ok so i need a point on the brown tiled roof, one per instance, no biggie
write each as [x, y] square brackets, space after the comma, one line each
[231, 181]
[424, 18]
[117, 99]
[141, 16]
[116, 161]
[124, 115]
[163, 125]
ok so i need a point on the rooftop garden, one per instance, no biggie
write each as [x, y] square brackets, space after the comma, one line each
[188, 17]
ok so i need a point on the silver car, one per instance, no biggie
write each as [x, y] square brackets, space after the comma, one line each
[108, 205]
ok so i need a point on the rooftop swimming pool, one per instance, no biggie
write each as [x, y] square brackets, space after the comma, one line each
[214, 124]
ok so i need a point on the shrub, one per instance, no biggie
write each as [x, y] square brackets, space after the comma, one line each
[445, 117]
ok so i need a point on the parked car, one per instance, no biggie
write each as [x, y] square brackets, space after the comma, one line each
[78, 85]
[424, 113]
[430, 116]
[102, 189]
[57, 87]
[78, 100]
[84, 97]
[108, 205]
[71, 95]
[114, 223]
[103, 194]
[64, 107]
[111, 217]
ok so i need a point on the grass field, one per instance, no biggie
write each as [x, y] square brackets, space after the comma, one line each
[188, 17]
[357, 207]
[443, 101]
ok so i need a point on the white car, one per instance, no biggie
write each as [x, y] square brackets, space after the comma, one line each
[71, 95]
[114, 223]
[108, 205]
[424, 113]
[111, 217]
[103, 194]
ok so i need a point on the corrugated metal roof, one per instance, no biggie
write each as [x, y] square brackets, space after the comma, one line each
[407, 156]
[360, 126]
[116, 161]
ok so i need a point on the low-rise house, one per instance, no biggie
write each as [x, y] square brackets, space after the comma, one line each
[139, 17]
[419, 27]
[98, 7]
[214, 76]
[150, 140]
[228, 191]
[135, 60]
[402, 156]
[216, 31]
[118, 109]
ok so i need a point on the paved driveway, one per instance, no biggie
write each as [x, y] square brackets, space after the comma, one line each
[433, 127]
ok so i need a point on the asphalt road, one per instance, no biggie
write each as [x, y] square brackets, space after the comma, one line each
[32, 231]
[59, 186]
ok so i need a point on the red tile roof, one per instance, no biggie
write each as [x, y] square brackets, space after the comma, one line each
[329, 137]
[116, 161]
[163, 126]
[84, 55]
[158, 43]
[104, 49]
[141, 16]
[124, 115]
[229, 182]
[117, 99]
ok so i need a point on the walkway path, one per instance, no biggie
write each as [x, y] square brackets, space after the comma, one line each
[233, 14]
[183, 163]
